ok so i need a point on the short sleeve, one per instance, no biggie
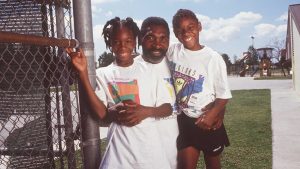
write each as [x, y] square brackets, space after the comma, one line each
[221, 84]
[100, 88]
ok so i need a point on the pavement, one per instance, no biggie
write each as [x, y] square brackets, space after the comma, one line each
[285, 105]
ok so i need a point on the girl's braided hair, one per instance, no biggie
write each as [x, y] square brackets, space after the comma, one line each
[113, 25]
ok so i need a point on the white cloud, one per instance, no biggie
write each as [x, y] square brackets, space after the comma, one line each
[108, 14]
[96, 10]
[269, 30]
[283, 17]
[98, 40]
[223, 29]
[102, 1]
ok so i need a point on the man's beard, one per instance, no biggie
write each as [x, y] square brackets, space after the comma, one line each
[151, 57]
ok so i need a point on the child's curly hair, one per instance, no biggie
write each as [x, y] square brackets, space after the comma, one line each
[183, 13]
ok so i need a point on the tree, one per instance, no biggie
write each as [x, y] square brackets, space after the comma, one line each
[253, 60]
[235, 59]
[226, 59]
[105, 59]
[277, 45]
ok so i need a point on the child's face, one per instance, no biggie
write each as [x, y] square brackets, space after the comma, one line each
[123, 43]
[188, 33]
[155, 43]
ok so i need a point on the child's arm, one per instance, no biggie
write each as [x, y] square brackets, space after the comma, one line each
[211, 118]
[135, 113]
[79, 61]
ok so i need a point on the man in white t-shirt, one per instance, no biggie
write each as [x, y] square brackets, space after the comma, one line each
[154, 38]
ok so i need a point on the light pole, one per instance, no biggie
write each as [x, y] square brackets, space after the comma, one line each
[252, 37]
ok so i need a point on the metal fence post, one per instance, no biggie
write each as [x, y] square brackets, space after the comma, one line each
[90, 128]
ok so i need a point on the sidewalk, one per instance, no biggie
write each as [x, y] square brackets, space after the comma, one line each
[285, 105]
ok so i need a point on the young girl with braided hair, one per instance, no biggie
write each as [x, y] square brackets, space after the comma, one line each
[140, 96]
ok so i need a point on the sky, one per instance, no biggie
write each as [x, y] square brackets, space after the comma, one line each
[227, 25]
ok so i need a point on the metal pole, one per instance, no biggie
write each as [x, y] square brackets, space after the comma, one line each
[10, 37]
[90, 128]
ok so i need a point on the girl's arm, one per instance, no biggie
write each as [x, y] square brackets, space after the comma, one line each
[79, 61]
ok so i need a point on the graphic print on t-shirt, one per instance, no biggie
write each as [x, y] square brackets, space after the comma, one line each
[185, 86]
[170, 87]
[121, 90]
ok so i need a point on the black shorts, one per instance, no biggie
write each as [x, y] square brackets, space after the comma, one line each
[210, 142]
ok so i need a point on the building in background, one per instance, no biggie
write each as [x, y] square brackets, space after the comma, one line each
[293, 43]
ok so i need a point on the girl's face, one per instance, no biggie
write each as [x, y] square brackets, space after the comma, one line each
[188, 33]
[123, 43]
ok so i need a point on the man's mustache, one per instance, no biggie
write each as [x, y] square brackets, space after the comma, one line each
[157, 50]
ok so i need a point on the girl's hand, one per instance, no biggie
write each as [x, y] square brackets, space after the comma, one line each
[79, 60]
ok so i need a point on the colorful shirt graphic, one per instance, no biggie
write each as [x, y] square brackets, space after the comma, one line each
[124, 91]
[185, 87]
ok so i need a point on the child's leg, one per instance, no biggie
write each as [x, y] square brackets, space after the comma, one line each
[212, 161]
[188, 158]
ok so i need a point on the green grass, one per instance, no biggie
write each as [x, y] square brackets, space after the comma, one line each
[248, 123]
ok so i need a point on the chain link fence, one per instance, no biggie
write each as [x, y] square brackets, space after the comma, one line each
[39, 107]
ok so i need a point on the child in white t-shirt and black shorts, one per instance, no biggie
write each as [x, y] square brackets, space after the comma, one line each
[200, 79]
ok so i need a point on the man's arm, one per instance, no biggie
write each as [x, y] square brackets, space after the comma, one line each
[135, 113]
[211, 117]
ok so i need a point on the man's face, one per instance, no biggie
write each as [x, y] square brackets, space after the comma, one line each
[155, 43]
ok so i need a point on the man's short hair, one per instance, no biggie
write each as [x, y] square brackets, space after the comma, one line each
[152, 21]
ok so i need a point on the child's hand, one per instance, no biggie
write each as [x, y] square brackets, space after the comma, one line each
[134, 113]
[78, 59]
[220, 119]
[208, 107]
[210, 121]
[205, 121]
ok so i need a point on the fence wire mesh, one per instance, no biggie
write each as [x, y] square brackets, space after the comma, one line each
[39, 112]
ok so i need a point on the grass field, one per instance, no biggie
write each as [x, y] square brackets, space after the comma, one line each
[248, 123]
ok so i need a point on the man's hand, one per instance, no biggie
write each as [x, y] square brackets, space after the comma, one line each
[210, 120]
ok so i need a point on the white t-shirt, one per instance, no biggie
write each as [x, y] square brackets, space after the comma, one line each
[199, 78]
[139, 146]
[168, 127]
